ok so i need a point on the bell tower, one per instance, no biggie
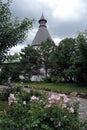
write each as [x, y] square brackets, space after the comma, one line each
[42, 33]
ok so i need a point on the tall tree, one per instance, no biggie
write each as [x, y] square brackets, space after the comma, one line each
[46, 49]
[12, 31]
[81, 58]
[30, 62]
[61, 59]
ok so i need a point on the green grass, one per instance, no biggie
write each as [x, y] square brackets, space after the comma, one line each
[62, 87]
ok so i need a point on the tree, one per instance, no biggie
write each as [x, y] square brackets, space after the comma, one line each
[12, 32]
[61, 59]
[9, 70]
[30, 62]
[80, 62]
[46, 49]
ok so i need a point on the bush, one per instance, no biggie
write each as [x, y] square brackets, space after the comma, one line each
[5, 93]
[37, 111]
[56, 79]
[47, 80]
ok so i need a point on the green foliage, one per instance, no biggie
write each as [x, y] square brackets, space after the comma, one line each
[12, 31]
[69, 60]
[30, 62]
[46, 49]
[56, 79]
[12, 58]
[61, 59]
[47, 80]
[4, 95]
[81, 59]
[9, 70]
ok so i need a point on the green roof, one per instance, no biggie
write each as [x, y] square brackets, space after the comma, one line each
[12, 61]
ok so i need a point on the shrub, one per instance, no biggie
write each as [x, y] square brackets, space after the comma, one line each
[5, 93]
[47, 80]
[37, 111]
[56, 79]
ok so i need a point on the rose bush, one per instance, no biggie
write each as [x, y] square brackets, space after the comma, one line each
[39, 111]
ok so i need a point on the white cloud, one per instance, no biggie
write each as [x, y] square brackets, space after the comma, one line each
[16, 49]
[32, 34]
[66, 9]
[56, 40]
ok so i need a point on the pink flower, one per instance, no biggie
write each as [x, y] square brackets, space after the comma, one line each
[11, 99]
[64, 105]
[62, 95]
[33, 98]
[12, 96]
[51, 101]
[64, 98]
[71, 110]
[54, 97]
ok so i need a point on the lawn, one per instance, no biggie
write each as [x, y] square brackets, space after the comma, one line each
[61, 87]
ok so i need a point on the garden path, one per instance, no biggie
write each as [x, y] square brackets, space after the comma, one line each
[83, 110]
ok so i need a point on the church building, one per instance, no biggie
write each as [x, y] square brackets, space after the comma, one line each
[41, 36]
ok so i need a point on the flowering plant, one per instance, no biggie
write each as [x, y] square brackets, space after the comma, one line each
[37, 111]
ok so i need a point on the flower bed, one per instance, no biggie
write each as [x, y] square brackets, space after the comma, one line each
[39, 111]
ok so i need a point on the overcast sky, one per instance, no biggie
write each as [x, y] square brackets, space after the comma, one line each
[65, 18]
